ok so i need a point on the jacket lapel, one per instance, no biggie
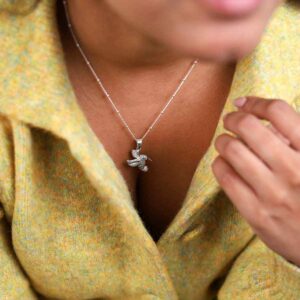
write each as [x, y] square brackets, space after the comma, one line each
[40, 95]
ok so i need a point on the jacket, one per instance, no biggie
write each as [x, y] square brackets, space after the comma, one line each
[68, 227]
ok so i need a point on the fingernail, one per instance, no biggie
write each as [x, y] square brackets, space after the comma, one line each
[239, 102]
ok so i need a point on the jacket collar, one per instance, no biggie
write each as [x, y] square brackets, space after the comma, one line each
[35, 89]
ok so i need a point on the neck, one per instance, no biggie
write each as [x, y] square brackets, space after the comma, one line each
[106, 38]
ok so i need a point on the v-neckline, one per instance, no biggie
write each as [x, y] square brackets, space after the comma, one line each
[182, 219]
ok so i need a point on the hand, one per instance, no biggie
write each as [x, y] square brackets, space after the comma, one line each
[259, 170]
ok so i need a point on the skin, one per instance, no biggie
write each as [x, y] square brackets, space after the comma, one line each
[269, 199]
[163, 31]
[133, 38]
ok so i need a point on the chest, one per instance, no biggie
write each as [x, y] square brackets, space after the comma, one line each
[176, 146]
[176, 143]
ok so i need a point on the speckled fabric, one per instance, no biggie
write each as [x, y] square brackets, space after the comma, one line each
[68, 227]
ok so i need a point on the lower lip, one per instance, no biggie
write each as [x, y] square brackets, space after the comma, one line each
[232, 7]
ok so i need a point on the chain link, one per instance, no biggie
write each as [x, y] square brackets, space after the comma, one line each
[107, 94]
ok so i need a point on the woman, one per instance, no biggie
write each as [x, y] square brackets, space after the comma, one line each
[90, 212]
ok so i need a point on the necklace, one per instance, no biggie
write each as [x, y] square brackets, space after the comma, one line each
[139, 160]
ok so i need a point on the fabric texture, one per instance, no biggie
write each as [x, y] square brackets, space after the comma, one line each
[68, 227]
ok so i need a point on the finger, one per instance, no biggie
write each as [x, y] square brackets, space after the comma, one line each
[249, 167]
[278, 134]
[262, 141]
[237, 190]
[283, 117]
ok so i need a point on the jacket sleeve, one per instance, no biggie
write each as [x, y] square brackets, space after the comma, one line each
[14, 284]
[260, 273]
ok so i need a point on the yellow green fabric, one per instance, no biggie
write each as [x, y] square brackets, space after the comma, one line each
[68, 227]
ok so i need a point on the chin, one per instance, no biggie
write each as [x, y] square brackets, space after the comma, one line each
[215, 38]
[222, 53]
[221, 48]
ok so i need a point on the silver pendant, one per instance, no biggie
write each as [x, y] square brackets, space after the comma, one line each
[139, 159]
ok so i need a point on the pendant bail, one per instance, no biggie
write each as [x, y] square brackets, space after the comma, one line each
[139, 144]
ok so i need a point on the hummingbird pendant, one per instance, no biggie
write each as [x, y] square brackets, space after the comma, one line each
[139, 159]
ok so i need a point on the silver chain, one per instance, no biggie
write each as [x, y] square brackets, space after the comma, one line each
[107, 94]
[139, 160]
